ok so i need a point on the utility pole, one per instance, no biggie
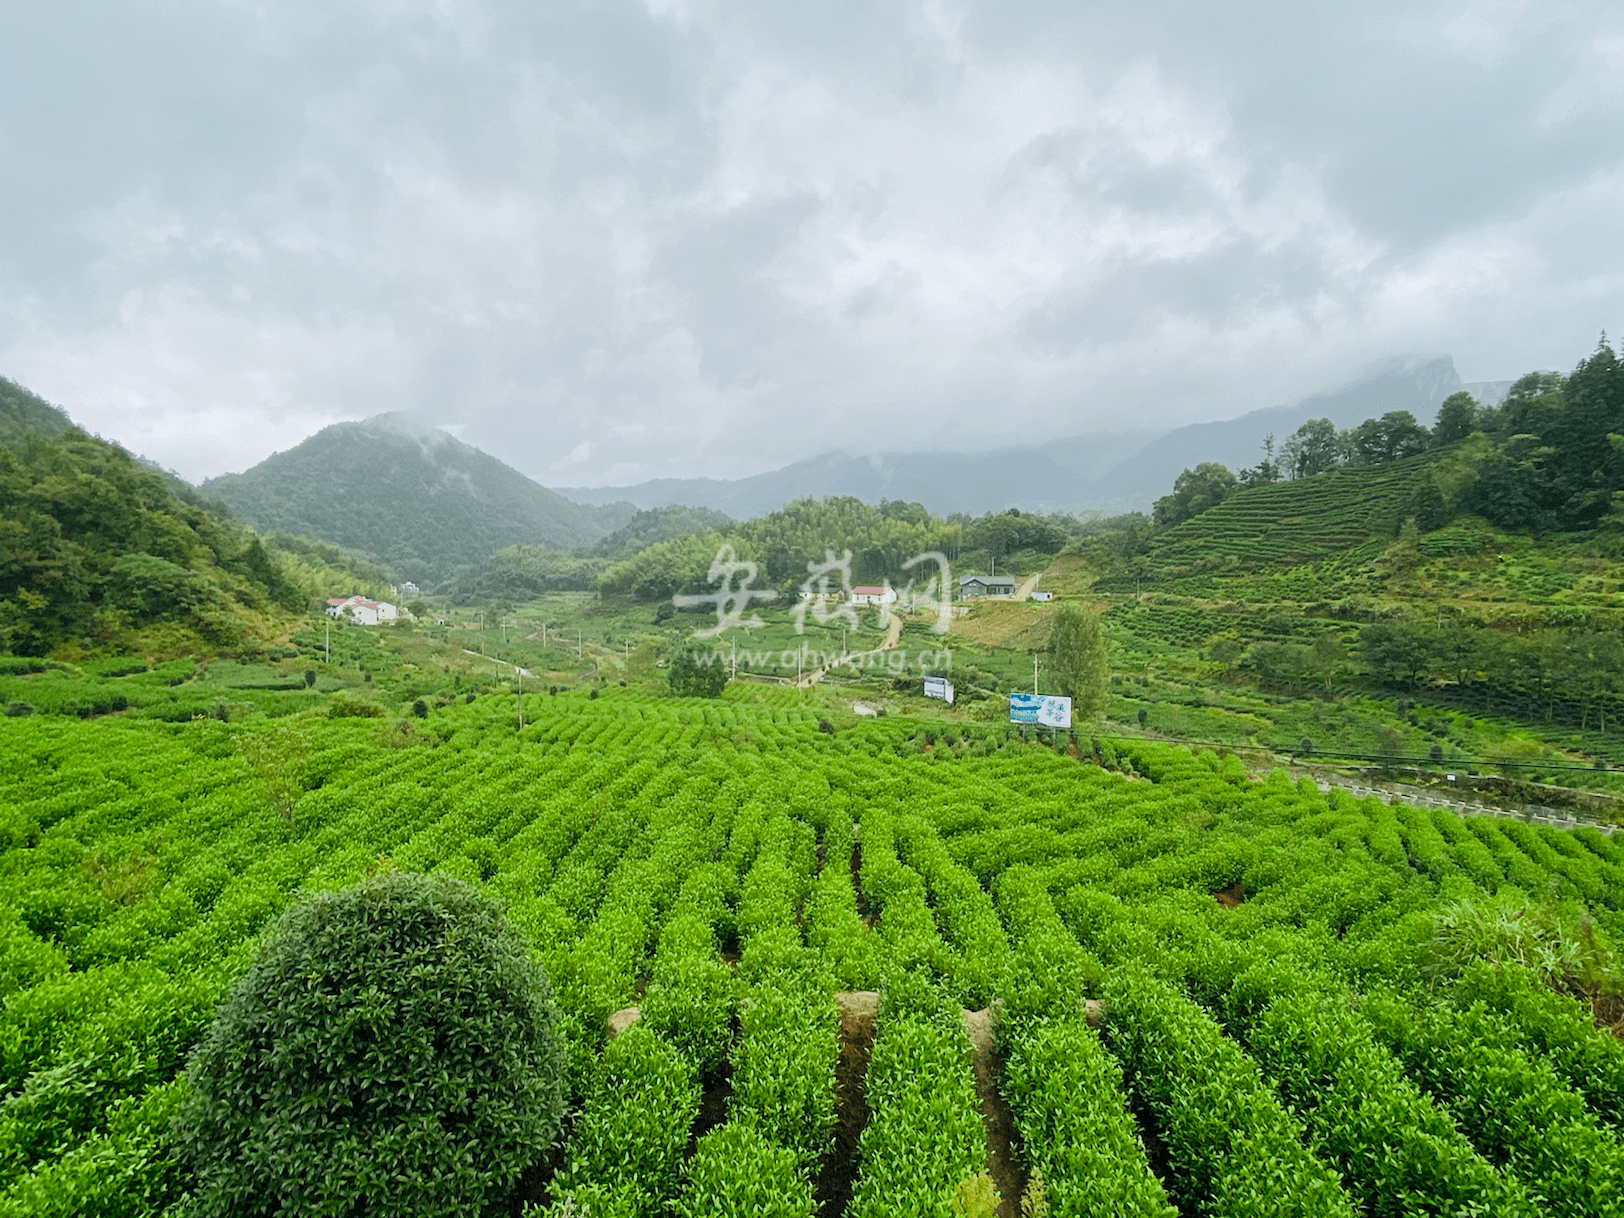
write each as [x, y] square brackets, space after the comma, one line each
[518, 686]
[580, 648]
[1034, 672]
[544, 636]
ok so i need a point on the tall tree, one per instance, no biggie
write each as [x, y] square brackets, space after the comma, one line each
[1078, 661]
[693, 675]
[1457, 418]
[1266, 470]
[1398, 651]
[1194, 491]
[1586, 467]
[1311, 449]
[1393, 436]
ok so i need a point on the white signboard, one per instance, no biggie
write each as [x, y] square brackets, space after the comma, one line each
[1046, 710]
[939, 687]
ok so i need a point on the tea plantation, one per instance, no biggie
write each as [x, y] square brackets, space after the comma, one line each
[1211, 992]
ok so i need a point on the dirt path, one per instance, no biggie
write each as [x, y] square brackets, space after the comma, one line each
[893, 635]
[1027, 586]
[837, 1172]
[1003, 1164]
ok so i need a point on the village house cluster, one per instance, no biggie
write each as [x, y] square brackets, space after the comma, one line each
[361, 611]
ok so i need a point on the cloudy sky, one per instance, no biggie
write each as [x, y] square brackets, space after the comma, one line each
[611, 240]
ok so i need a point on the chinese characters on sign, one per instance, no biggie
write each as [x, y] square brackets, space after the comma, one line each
[1046, 710]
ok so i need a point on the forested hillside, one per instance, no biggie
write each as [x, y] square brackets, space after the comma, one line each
[96, 547]
[416, 499]
[22, 412]
[882, 539]
[1473, 565]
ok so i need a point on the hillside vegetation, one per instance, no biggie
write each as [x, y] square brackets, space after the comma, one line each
[1423, 567]
[1330, 514]
[23, 412]
[881, 540]
[415, 499]
[96, 548]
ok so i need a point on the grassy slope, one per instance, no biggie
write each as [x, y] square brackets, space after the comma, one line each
[1291, 523]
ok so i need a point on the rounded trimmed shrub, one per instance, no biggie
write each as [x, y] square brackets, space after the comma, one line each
[391, 1050]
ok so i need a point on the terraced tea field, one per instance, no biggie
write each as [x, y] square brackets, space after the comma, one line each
[1196, 991]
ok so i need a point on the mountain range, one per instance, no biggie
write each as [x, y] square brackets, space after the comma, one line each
[1034, 478]
[428, 506]
[1107, 472]
[1414, 383]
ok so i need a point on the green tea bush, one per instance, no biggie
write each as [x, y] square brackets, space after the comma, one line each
[784, 1065]
[924, 1137]
[626, 1155]
[1556, 1025]
[1513, 1106]
[1233, 1149]
[1066, 1093]
[1397, 1151]
[390, 1050]
[738, 1173]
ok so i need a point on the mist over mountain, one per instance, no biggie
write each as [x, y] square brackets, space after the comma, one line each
[414, 497]
[1033, 478]
[1114, 472]
[1416, 383]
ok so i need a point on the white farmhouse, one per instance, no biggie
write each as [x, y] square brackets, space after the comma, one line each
[360, 610]
[867, 594]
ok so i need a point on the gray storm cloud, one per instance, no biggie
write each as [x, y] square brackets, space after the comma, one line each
[612, 241]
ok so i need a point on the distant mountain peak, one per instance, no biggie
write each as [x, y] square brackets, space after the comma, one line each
[413, 496]
[404, 423]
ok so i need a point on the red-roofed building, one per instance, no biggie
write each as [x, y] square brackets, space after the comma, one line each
[361, 611]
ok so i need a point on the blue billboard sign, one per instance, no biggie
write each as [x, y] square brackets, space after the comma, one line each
[1046, 710]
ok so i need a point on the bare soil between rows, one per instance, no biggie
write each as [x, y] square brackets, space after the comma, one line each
[837, 1172]
[1004, 1164]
